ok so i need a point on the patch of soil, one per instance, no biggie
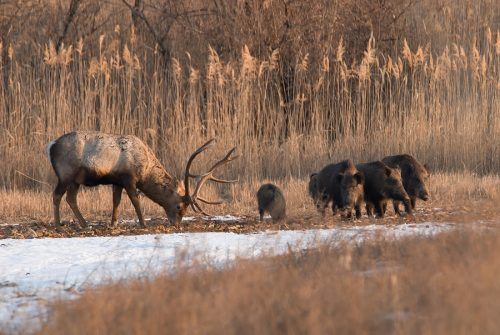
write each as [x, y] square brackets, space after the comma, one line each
[309, 220]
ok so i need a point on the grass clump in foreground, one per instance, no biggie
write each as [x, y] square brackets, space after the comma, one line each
[444, 285]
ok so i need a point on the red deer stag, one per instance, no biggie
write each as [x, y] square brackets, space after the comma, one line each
[95, 158]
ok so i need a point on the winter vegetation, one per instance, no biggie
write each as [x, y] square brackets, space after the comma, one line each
[294, 85]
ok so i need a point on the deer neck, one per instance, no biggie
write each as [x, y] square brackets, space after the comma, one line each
[158, 185]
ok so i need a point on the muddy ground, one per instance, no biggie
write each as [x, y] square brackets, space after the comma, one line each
[246, 224]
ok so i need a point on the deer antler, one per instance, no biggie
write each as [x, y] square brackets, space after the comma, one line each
[187, 174]
[205, 177]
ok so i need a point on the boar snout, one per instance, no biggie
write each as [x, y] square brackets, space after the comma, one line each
[424, 195]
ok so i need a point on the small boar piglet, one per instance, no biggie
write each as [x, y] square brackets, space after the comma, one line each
[270, 199]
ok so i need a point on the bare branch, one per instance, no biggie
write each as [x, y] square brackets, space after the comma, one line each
[138, 13]
[73, 8]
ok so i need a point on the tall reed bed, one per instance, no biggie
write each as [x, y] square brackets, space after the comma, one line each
[444, 109]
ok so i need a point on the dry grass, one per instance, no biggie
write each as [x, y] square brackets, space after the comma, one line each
[449, 191]
[458, 198]
[438, 101]
[444, 285]
[443, 108]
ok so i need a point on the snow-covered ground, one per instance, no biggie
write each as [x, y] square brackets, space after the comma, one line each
[35, 271]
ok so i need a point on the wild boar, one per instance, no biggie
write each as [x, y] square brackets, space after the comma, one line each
[382, 183]
[314, 192]
[270, 199]
[415, 177]
[351, 183]
[342, 185]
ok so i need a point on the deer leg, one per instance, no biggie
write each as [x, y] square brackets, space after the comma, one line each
[71, 200]
[56, 199]
[117, 197]
[132, 194]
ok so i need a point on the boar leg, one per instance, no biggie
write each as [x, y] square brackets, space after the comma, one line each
[334, 208]
[395, 204]
[369, 209]
[357, 208]
[407, 204]
[413, 201]
[379, 208]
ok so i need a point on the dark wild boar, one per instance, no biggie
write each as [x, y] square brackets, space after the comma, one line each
[382, 183]
[351, 183]
[415, 177]
[315, 194]
[270, 199]
[342, 185]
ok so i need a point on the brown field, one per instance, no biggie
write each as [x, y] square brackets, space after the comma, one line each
[442, 285]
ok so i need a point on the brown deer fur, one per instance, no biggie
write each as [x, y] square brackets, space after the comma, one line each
[94, 158]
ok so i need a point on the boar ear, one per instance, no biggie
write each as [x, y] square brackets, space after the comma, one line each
[339, 177]
[388, 171]
[313, 175]
[360, 178]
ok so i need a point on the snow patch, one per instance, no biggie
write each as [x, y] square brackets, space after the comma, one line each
[35, 271]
